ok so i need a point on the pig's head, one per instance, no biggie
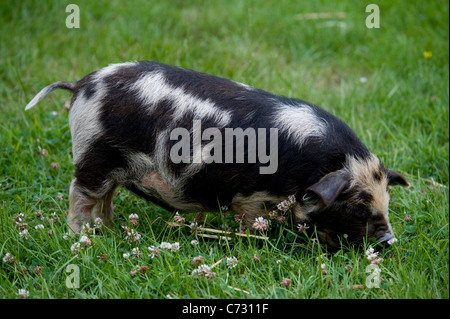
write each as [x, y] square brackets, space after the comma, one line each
[352, 202]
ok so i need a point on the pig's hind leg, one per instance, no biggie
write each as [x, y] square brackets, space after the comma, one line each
[91, 192]
[85, 206]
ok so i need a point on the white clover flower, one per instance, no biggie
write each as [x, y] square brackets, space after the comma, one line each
[372, 256]
[24, 234]
[369, 251]
[302, 227]
[54, 217]
[261, 224]
[126, 255]
[392, 241]
[134, 219]
[204, 270]
[40, 226]
[136, 252]
[9, 259]
[194, 242]
[232, 262]
[324, 269]
[22, 293]
[179, 219]
[98, 222]
[87, 229]
[75, 248]
[287, 204]
[136, 235]
[165, 245]
[175, 246]
[85, 241]
[155, 252]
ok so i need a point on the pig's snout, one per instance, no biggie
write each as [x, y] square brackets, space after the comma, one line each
[381, 231]
[384, 236]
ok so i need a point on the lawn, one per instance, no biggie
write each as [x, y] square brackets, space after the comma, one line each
[390, 84]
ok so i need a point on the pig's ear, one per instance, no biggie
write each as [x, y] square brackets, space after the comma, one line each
[329, 187]
[395, 178]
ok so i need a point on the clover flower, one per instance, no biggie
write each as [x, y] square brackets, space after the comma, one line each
[287, 204]
[239, 218]
[175, 246]
[194, 227]
[23, 294]
[256, 258]
[131, 235]
[324, 269]
[261, 224]
[136, 252]
[87, 229]
[165, 245]
[392, 241]
[75, 247]
[85, 241]
[179, 219]
[372, 256]
[54, 218]
[98, 222]
[142, 269]
[40, 226]
[194, 242]
[155, 252]
[198, 260]
[302, 227]
[204, 270]
[24, 234]
[38, 270]
[134, 219]
[232, 262]
[9, 259]
[407, 218]
[273, 214]
[103, 257]
[19, 218]
[286, 282]
[38, 213]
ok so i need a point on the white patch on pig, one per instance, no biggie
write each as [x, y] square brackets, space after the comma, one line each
[84, 122]
[299, 123]
[153, 88]
[84, 113]
[111, 69]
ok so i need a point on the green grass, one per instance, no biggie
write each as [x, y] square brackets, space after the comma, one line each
[400, 113]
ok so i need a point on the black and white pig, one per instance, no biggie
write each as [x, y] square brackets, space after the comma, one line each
[241, 147]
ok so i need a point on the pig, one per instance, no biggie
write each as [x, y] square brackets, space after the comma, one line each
[126, 121]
